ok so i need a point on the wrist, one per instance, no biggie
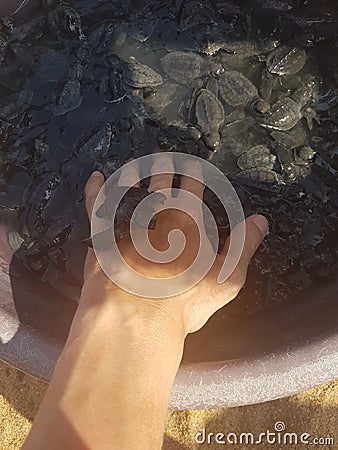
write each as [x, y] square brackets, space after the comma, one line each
[143, 320]
[120, 361]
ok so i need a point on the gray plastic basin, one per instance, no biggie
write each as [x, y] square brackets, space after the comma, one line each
[281, 351]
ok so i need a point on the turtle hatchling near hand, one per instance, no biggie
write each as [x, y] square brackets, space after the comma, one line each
[120, 204]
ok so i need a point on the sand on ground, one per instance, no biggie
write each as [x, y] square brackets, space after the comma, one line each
[314, 411]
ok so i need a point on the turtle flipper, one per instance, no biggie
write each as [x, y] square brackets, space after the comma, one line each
[102, 240]
[141, 218]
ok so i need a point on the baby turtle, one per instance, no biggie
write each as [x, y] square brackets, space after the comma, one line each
[95, 144]
[258, 156]
[296, 137]
[36, 198]
[65, 21]
[286, 160]
[67, 98]
[68, 95]
[131, 197]
[237, 90]
[262, 178]
[139, 75]
[284, 60]
[183, 67]
[15, 240]
[248, 48]
[123, 211]
[287, 112]
[113, 86]
[173, 135]
[30, 29]
[209, 115]
[38, 249]
[107, 35]
[306, 154]
[183, 139]
[13, 105]
[157, 99]
[303, 159]
[143, 22]
[294, 165]
[283, 115]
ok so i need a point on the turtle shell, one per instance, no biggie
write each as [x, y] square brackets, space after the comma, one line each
[235, 89]
[209, 115]
[258, 177]
[182, 67]
[286, 60]
[125, 208]
[258, 156]
[283, 115]
[294, 138]
[139, 75]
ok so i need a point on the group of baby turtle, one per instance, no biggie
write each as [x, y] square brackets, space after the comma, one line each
[213, 101]
[88, 85]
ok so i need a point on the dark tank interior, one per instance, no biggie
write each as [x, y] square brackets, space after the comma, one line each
[88, 85]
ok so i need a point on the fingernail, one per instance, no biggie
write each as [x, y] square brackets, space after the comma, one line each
[260, 222]
[96, 174]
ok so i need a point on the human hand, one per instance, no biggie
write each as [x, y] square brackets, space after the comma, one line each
[120, 345]
[189, 311]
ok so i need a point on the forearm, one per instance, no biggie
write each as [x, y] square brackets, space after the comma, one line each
[112, 384]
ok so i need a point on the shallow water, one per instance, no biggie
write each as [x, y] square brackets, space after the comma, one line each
[42, 187]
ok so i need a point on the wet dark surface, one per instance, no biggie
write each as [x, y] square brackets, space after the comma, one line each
[70, 103]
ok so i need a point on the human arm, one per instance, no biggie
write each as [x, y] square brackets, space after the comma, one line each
[111, 386]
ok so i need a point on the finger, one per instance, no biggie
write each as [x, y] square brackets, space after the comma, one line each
[256, 227]
[91, 265]
[6, 250]
[192, 180]
[130, 175]
[92, 189]
[164, 167]
[93, 186]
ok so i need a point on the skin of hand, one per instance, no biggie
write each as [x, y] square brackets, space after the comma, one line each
[191, 310]
[111, 386]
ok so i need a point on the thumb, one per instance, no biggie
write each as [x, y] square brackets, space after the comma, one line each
[256, 227]
[93, 186]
